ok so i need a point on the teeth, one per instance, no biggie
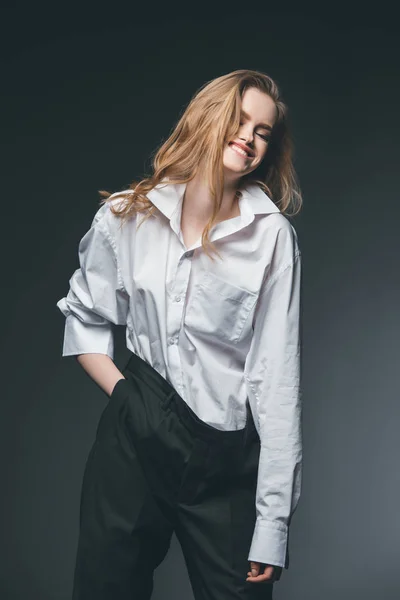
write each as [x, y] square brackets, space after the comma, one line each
[239, 150]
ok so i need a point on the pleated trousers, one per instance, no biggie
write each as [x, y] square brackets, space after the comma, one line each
[156, 469]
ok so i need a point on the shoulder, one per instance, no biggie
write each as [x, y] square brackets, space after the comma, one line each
[283, 255]
[283, 237]
[107, 220]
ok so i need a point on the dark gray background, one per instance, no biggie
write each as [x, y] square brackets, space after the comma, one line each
[87, 97]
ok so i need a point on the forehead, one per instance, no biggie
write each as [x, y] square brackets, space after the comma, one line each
[258, 105]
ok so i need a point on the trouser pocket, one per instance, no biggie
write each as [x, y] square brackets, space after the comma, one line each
[117, 398]
[119, 387]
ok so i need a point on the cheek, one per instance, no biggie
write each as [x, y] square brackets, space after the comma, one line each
[263, 150]
[261, 155]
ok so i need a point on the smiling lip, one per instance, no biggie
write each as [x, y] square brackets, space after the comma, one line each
[242, 147]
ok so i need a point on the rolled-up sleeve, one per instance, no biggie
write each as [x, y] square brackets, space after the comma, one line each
[96, 298]
[272, 374]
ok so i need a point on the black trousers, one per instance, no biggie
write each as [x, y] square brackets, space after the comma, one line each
[155, 468]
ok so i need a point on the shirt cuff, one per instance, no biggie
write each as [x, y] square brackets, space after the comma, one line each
[269, 544]
[87, 338]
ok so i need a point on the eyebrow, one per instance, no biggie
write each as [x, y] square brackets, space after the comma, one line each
[263, 125]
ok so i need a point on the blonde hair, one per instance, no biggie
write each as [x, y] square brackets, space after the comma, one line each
[211, 119]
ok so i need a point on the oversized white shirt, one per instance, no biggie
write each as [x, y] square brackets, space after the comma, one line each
[220, 332]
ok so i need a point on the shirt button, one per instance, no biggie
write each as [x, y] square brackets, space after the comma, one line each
[178, 299]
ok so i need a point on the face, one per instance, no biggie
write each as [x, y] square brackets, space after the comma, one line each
[247, 149]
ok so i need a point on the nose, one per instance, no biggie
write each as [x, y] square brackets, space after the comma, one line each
[246, 135]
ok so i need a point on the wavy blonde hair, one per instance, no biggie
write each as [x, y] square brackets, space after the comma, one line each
[211, 119]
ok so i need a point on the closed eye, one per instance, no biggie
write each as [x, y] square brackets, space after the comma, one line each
[264, 137]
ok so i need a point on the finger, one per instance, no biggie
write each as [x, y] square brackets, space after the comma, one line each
[266, 576]
[255, 568]
[260, 578]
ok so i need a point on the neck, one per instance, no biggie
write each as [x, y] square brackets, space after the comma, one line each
[198, 203]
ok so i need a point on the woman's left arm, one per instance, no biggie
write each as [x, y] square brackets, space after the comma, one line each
[272, 374]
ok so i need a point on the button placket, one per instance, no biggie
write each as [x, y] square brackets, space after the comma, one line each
[176, 305]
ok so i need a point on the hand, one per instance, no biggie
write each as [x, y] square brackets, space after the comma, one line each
[263, 573]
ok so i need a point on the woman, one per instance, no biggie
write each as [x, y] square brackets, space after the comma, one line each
[202, 432]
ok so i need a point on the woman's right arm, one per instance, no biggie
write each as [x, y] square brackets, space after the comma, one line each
[96, 300]
[101, 369]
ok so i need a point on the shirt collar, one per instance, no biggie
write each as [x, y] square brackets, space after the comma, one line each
[166, 197]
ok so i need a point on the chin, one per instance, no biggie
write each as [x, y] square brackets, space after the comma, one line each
[233, 167]
[233, 174]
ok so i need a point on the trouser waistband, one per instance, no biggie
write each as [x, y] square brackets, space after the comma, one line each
[171, 399]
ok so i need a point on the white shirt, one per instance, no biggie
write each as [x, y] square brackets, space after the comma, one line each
[219, 332]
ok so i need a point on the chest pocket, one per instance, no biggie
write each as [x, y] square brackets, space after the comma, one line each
[220, 309]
